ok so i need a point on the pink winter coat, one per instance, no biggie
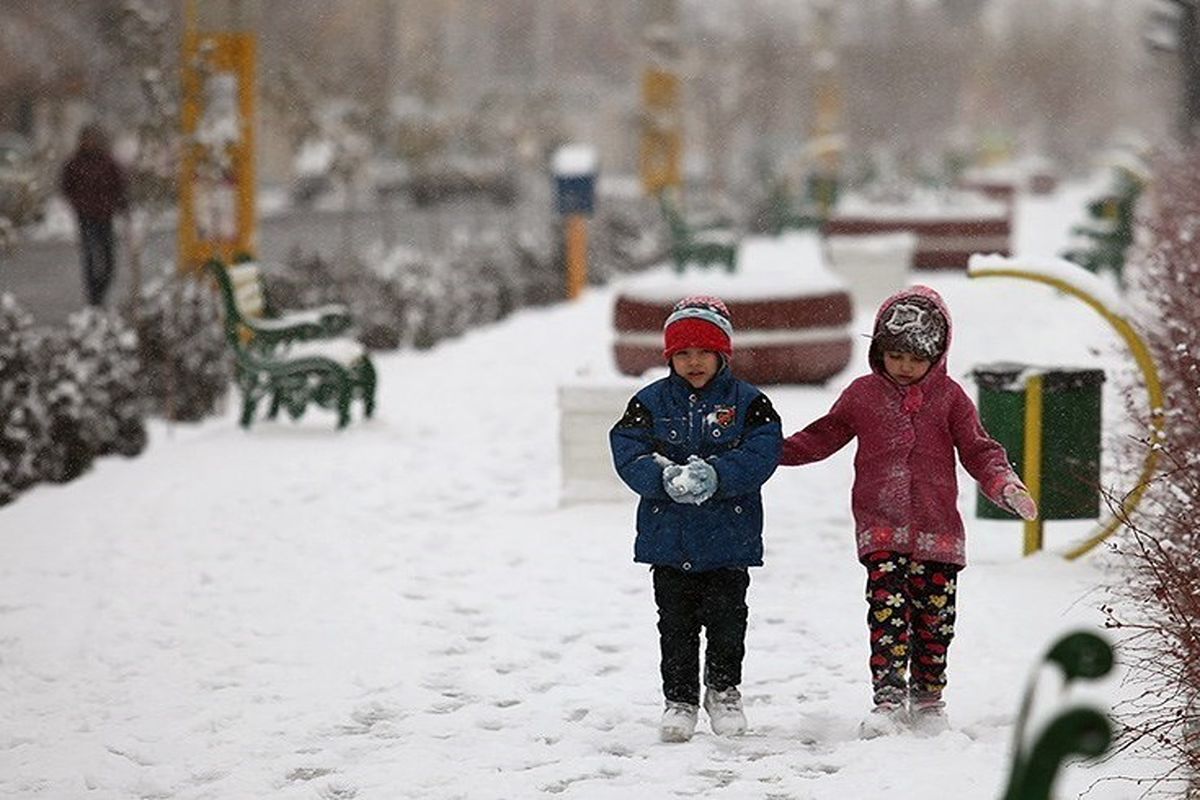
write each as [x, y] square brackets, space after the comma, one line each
[905, 495]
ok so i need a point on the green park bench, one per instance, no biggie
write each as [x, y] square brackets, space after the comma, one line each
[782, 215]
[1098, 246]
[292, 358]
[1102, 241]
[702, 246]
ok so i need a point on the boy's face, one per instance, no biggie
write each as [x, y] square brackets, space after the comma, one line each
[696, 366]
[905, 368]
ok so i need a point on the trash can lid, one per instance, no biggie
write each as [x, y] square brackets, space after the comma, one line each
[1008, 376]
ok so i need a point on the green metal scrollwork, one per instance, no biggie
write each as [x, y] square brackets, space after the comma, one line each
[1077, 731]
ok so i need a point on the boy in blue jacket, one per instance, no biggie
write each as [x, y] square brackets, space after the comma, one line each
[697, 446]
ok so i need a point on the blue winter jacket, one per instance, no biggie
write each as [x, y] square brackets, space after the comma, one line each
[729, 423]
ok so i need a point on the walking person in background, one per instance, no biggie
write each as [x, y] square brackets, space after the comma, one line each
[95, 186]
[697, 445]
[910, 417]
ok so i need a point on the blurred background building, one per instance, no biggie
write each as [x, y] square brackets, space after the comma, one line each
[515, 78]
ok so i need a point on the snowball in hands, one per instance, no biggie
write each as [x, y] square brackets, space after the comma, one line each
[1020, 502]
[704, 478]
[675, 482]
[692, 483]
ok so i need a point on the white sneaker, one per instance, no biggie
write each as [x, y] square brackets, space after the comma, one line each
[725, 711]
[886, 719]
[678, 722]
[928, 717]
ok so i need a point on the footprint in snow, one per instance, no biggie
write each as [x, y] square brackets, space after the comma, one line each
[307, 774]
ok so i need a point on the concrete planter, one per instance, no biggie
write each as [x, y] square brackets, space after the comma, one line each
[875, 266]
[587, 411]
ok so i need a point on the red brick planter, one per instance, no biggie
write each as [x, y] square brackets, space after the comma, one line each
[798, 339]
[944, 241]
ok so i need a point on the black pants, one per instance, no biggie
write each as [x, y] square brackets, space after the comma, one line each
[687, 602]
[96, 247]
[911, 615]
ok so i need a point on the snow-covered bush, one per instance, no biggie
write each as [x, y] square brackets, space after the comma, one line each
[104, 350]
[67, 395]
[539, 257]
[378, 307]
[89, 385]
[411, 299]
[70, 394]
[1162, 551]
[627, 235]
[185, 363]
[23, 434]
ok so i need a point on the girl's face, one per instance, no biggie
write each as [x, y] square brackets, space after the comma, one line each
[696, 366]
[905, 368]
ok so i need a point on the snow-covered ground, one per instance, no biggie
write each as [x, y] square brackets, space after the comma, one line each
[404, 610]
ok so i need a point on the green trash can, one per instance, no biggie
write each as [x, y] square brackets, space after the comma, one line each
[1070, 434]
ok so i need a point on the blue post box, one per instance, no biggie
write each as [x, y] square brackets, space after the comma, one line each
[575, 179]
[576, 194]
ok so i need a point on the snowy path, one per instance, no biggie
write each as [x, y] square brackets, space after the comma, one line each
[402, 610]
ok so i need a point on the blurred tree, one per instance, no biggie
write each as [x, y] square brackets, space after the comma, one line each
[1188, 46]
[143, 36]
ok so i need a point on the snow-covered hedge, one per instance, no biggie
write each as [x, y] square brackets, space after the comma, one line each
[88, 377]
[1161, 644]
[73, 393]
[411, 299]
[67, 396]
[185, 363]
[24, 421]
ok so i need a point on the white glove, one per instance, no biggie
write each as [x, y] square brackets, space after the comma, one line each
[675, 483]
[703, 477]
[1019, 500]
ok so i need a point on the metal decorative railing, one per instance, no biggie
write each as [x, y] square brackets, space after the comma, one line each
[1077, 731]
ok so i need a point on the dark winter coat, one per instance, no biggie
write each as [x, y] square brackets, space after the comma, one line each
[730, 424]
[905, 495]
[94, 184]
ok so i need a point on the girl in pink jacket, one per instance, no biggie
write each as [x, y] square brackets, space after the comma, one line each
[910, 417]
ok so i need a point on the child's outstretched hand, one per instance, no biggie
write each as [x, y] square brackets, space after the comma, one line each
[1019, 500]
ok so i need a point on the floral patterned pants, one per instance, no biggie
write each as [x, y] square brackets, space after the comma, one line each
[911, 618]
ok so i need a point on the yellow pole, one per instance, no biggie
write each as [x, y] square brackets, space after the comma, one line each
[1033, 459]
[1145, 362]
[247, 189]
[189, 113]
[662, 137]
[576, 235]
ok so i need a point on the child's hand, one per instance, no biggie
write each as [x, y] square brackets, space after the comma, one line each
[703, 478]
[1020, 501]
[675, 482]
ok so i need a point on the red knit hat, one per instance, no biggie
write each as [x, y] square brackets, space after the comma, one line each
[698, 321]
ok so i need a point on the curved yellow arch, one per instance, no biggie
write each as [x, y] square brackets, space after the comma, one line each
[1145, 362]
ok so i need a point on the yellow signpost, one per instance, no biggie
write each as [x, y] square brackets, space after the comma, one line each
[826, 144]
[216, 178]
[661, 135]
